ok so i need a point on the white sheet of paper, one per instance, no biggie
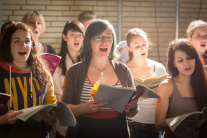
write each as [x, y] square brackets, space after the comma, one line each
[115, 96]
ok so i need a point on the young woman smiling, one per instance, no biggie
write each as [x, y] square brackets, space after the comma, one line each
[26, 79]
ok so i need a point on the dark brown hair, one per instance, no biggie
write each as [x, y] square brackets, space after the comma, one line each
[4, 26]
[33, 60]
[198, 78]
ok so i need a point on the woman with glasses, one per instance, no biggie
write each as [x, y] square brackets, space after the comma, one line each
[94, 118]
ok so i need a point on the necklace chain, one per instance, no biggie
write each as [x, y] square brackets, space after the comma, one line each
[101, 70]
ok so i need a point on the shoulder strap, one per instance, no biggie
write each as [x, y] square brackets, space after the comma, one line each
[175, 89]
[123, 73]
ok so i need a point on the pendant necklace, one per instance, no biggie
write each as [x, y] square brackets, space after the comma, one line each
[101, 70]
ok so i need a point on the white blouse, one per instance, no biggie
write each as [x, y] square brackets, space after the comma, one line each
[58, 79]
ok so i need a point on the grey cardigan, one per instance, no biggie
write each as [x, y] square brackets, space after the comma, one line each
[75, 78]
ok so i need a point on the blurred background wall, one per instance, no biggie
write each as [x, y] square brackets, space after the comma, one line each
[156, 17]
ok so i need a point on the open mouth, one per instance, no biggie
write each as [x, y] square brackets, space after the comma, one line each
[203, 45]
[143, 54]
[188, 68]
[103, 49]
[22, 53]
[76, 44]
[35, 31]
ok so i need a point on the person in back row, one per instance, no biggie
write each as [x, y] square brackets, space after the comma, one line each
[197, 34]
[97, 55]
[36, 22]
[142, 125]
[86, 18]
[26, 79]
[123, 52]
[72, 39]
[184, 92]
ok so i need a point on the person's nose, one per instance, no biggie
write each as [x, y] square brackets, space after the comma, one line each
[185, 62]
[77, 37]
[23, 44]
[104, 41]
[143, 48]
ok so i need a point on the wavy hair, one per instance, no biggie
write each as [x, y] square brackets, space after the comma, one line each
[34, 61]
[70, 25]
[198, 80]
[96, 28]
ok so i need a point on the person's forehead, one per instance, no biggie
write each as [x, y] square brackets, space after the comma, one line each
[198, 29]
[35, 17]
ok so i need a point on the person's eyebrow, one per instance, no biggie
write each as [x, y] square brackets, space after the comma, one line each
[19, 38]
[15, 38]
[178, 57]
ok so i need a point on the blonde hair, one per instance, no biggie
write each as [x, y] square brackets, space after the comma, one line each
[193, 25]
[29, 14]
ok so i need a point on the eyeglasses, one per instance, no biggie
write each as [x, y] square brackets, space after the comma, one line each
[100, 38]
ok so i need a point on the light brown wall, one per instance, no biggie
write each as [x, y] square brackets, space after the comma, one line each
[136, 13]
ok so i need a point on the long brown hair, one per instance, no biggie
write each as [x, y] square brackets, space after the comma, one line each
[33, 60]
[198, 78]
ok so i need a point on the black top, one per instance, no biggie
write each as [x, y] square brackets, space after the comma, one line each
[48, 49]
